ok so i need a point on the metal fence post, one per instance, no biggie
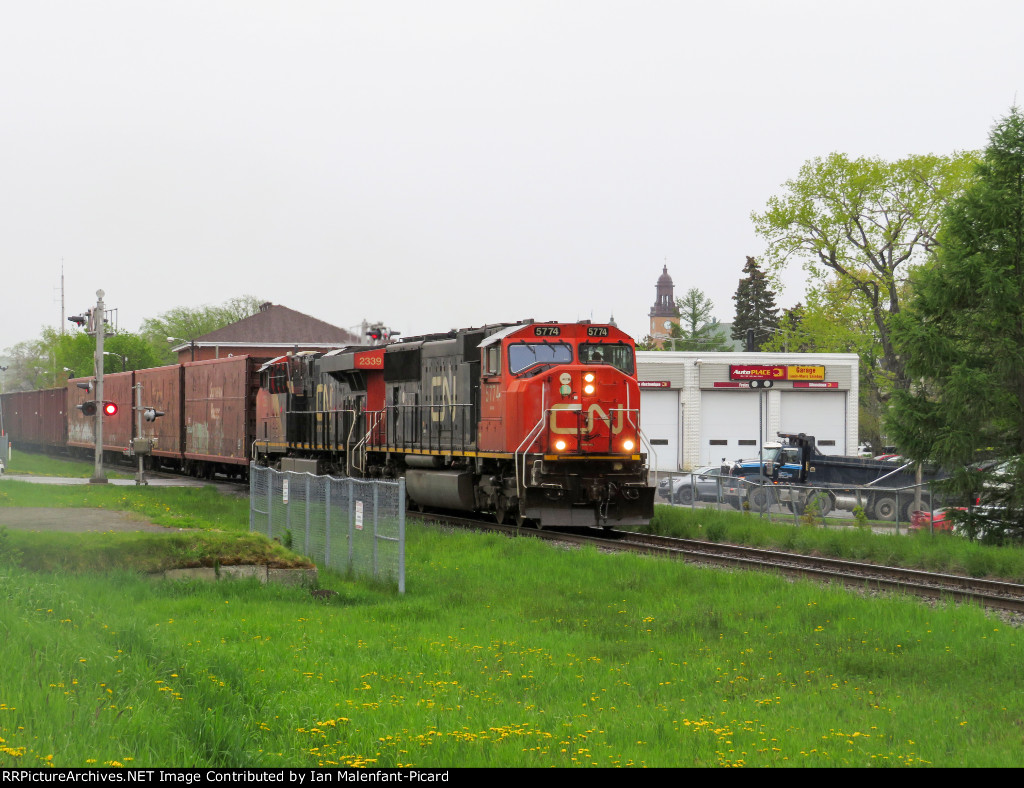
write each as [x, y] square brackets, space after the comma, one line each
[270, 503]
[252, 498]
[288, 510]
[327, 521]
[351, 520]
[376, 567]
[305, 544]
[401, 535]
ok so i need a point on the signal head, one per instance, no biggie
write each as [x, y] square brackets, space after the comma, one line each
[109, 408]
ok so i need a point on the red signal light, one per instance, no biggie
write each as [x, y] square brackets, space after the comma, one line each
[109, 408]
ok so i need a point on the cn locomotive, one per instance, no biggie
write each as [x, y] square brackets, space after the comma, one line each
[533, 422]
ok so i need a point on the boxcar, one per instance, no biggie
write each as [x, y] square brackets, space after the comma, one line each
[36, 419]
[219, 415]
[117, 429]
[163, 390]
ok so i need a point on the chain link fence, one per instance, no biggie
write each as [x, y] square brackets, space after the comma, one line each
[351, 526]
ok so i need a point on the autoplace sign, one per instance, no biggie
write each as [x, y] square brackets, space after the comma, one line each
[775, 372]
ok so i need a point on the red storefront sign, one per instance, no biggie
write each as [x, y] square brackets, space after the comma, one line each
[776, 372]
[757, 372]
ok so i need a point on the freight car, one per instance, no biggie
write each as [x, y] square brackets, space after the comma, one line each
[205, 427]
[36, 419]
[536, 422]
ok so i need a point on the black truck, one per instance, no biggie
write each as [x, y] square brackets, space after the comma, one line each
[795, 473]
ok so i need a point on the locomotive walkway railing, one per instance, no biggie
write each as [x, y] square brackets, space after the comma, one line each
[351, 526]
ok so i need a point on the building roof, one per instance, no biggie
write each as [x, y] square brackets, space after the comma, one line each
[274, 325]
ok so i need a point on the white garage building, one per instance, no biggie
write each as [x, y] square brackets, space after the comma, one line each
[699, 408]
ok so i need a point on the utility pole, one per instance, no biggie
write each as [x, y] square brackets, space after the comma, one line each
[99, 326]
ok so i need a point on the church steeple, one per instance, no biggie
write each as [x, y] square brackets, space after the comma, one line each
[664, 313]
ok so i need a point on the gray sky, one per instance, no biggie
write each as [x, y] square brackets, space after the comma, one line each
[445, 164]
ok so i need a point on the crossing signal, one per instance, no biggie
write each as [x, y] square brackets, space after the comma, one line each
[87, 408]
[109, 408]
[152, 414]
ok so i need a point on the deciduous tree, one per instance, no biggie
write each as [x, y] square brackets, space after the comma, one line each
[864, 222]
[187, 323]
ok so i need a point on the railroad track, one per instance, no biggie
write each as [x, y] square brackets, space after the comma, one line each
[932, 585]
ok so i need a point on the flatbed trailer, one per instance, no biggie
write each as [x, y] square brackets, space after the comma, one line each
[795, 473]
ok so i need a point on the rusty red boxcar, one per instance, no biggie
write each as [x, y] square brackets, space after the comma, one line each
[163, 390]
[117, 429]
[219, 414]
[35, 419]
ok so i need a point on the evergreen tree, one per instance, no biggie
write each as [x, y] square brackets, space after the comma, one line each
[755, 307]
[962, 339]
[697, 329]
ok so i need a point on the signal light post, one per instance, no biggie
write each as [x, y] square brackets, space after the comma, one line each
[95, 323]
[99, 326]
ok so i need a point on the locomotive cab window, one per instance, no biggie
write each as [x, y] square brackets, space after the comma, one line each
[522, 356]
[619, 355]
[275, 379]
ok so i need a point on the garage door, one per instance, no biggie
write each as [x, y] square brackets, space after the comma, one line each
[729, 424]
[661, 421]
[818, 413]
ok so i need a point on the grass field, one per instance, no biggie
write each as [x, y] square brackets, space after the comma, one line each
[939, 552]
[503, 652]
[36, 464]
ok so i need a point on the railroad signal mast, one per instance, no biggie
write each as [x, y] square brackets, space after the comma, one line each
[378, 333]
[95, 322]
[140, 446]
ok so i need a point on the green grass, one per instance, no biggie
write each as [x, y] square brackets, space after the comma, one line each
[142, 552]
[219, 536]
[180, 507]
[504, 652]
[35, 464]
[941, 552]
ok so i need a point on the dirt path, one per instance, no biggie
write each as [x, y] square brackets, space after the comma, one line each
[77, 521]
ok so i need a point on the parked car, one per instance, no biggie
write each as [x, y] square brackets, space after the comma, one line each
[681, 488]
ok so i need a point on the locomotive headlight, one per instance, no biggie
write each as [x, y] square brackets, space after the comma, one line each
[560, 445]
[588, 388]
[589, 377]
[628, 445]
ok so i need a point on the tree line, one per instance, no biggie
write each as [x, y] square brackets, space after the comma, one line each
[57, 356]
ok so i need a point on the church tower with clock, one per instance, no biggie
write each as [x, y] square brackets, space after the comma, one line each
[664, 314]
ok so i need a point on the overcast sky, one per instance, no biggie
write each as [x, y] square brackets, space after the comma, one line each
[439, 164]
